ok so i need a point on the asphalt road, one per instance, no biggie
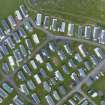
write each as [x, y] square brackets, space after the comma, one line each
[94, 72]
[9, 78]
[50, 37]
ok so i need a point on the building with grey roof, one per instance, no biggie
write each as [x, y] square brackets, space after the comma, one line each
[36, 99]
[70, 29]
[49, 100]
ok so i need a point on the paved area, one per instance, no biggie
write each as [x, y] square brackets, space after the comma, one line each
[95, 71]
[50, 36]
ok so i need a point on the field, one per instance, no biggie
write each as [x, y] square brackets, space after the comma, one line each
[8, 7]
[82, 10]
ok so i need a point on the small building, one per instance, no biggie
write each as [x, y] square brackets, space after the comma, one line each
[3, 93]
[85, 102]
[53, 26]
[102, 37]
[99, 53]
[78, 57]
[80, 31]
[93, 93]
[18, 15]
[61, 55]
[28, 27]
[94, 60]
[74, 77]
[72, 102]
[17, 100]
[17, 55]
[22, 32]
[26, 69]
[82, 73]
[96, 33]
[42, 73]
[36, 99]
[11, 61]
[45, 53]
[10, 43]
[46, 86]
[83, 50]
[46, 22]
[102, 102]
[38, 19]
[49, 100]
[59, 76]
[63, 26]
[12, 21]
[65, 69]
[2, 35]
[37, 78]
[52, 47]
[70, 29]
[71, 63]
[1, 100]
[16, 37]
[39, 58]
[31, 85]
[29, 44]
[21, 76]
[56, 95]
[33, 64]
[35, 39]
[1, 56]
[49, 67]
[24, 11]
[7, 88]
[6, 26]
[62, 91]
[67, 49]
[88, 34]
[4, 49]
[88, 65]
[23, 50]
[23, 88]
[5, 67]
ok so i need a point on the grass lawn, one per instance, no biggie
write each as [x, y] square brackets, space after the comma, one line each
[99, 85]
[82, 10]
[8, 7]
[9, 99]
[57, 65]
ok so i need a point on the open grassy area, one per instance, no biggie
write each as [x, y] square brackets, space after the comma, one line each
[82, 10]
[8, 7]
[98, 86]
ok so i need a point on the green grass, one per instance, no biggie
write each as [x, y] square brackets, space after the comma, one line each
[98, 85]
[82, 10]
[9, 99]
[67, 80]
[8, 7]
